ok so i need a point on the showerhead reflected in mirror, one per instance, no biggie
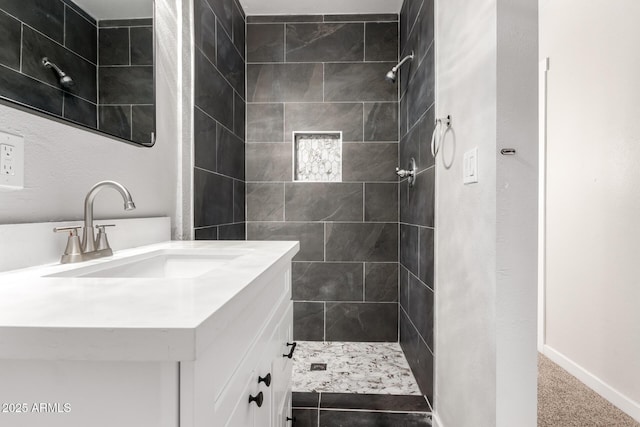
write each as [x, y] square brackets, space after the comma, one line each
[89, 63]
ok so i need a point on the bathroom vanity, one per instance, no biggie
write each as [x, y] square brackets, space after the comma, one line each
[176, 334]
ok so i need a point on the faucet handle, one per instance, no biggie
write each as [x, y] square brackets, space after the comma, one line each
[73, 251]
[101, 240]
[73, 230]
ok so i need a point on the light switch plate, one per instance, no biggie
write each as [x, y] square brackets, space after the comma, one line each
[11, 161]
[470, 166]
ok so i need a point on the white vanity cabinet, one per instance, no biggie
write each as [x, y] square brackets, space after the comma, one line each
[149, 352]
[249, 354]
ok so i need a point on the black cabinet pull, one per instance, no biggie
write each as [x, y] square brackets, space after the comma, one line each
[291, 419]
[259, 398]
[293, 348]
[266, 380]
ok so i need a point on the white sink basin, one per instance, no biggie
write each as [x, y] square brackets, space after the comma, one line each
[158, 264]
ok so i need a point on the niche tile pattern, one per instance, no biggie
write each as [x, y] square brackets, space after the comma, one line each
[319, 73]
[219, 122]
[318, 157]
[417, 286]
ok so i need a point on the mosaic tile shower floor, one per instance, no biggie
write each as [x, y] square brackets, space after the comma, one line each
[353, 367]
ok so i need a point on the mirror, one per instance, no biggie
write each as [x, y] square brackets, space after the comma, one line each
[86, 62]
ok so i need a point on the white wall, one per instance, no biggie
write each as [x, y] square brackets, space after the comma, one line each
[486, 64]
[593, 201]
[62, 162]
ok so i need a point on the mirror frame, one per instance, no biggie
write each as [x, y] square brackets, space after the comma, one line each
[33, 110]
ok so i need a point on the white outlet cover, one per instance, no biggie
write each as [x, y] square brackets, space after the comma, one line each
[470, 166]
[11, 157]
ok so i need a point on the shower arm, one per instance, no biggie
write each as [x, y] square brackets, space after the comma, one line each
[405, 59]
[49, 64]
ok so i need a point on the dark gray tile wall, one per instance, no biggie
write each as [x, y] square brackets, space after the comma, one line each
[31, 30]
[417, 90]
[125, 79]
[219, 123]
[319, 73]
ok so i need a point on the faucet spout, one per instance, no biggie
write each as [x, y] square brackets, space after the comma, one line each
[88, 236]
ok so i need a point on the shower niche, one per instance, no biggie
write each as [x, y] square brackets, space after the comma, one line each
[317, 156]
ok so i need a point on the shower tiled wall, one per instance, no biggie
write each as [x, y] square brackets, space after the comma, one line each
[125, 78]
[326, 73]
[219, 120]
[417, 89]
[30, 31]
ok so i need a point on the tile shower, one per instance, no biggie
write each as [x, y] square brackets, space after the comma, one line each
[363, 279]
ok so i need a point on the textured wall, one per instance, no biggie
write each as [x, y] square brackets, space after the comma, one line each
[417, 88]
[219, 120]
[326, 73]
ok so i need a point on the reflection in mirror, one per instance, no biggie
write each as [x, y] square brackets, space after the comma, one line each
[88, 62]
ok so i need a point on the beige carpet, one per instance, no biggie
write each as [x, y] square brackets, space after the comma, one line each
[563, 401]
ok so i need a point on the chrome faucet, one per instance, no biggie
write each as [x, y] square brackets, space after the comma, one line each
[91, 246]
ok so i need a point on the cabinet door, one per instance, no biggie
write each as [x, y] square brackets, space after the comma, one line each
[243, 414]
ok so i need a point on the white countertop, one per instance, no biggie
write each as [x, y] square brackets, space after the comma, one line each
[151, 319]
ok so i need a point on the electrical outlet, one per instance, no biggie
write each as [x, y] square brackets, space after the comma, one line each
[11, 161]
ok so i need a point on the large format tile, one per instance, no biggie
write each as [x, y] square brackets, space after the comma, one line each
[265, 43]
[308, 321]
[421, 309]
[426, 256]
[381, 121]
[239, 36]
[324, 42]
[366, 419]
[417, 202]
[204, 27]
[381, 41]
[204, 130]
[366, 17]
[81, 35]
[224, 12]
[372, 242]
[141, 45]
[230, 154]
[268, 162]
[369, 162]
[213, 199]
[284, 82]
[28, 91]
[381, 282]
[323, 117]
[265, 201]
[46, 16]
[426, 126]
[114, 46]
[115, 120]
[310, 236]
[320, 281]
[323, 202]
[231, 232]
[239, 115]
[418, 355]
[206, 233]
[408, 17]
[410, 148]
[403, 294]
[271, 19]
[422, 93]
[142, 123]
[229, 61]
[374, 402]
[10, 34]
[265, 122]
[358, 81]
[381, 202]
[367, 322]
[409, 247]
[126, 85]
[239, 201]
[305, 417]
[305, 399]
[212, 92]
[35, 46]
[80, 111]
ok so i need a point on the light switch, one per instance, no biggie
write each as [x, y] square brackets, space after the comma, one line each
[11, 161]
[470, 166]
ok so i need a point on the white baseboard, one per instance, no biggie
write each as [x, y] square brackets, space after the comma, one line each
[618, 399]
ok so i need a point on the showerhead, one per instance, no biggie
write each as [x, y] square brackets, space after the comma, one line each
[65, 81]
[393, 74]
